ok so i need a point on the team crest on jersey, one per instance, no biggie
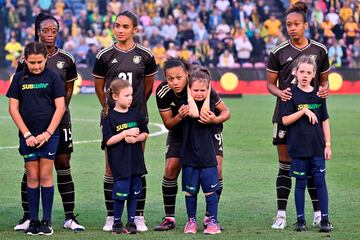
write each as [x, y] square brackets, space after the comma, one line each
[313, 57]
[60, 64]
[282, 133]
[136, 59]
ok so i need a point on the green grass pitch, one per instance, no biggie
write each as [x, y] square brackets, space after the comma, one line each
[248, 203]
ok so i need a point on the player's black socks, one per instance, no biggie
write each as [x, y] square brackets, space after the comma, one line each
[141, 201]
[169, 191]
[283, 185]
[24, 196]
[313, 193]
[109, 202]
[219, 191]
[67, 191]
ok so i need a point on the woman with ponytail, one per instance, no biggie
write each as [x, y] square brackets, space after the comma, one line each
[63, 64]
[279, 80]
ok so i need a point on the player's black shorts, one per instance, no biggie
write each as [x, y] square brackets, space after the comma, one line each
[65, 140]
[279, 134]
[174, 143]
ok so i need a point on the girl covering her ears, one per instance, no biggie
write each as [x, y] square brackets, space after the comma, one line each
[124, 130]
[307, 119]
[36, 105]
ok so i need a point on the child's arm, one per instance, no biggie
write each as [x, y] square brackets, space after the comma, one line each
[140, 138]
[290, 119]
[55, 121]
[193, 109]
[19, 122]
[206, 104]
[326, 130]
[132, 132]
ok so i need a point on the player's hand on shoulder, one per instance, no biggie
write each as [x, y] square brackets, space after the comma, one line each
[184, 111]
[286, 94]
[323, 92]
[207, 117]
[312, 117]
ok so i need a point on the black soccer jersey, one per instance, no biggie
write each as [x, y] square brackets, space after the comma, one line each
[133, 65]
[63, 63]
[36, 95]
[305, 139]
[281, 61]
[125, 159]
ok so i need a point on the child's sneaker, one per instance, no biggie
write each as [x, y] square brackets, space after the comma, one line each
[45, 228]
[325, 226]
[108, 223]
[191, 226]
[33, 228]
[167, 223]
[73, 224]
[300, 226]
[130, 228]
[117, 227]
[206, 220]
[212, 227]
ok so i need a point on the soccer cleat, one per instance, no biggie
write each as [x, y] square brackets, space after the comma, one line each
[108, 223]
[130, 228]
[212, 227]
[325, 226]
[317, 220]
[33, 228]
[117, 227]
[300, 226]
[167, 223]
[22, 225]
[73, 224]
[45, 228]
[140, 224]
[279, 222]
[191, 226]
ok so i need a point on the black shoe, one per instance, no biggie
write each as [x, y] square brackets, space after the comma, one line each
[300, 226]
[130, 228]
[45, 228]
[325, 226]
[117, 227]
[33, 228]
[167, 223]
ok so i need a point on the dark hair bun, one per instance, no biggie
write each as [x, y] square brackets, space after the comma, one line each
[299, 6]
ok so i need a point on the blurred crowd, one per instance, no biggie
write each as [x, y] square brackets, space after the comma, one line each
[216, 33]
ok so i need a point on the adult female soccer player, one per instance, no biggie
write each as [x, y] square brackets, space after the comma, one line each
[62, 63]
[129, 61]
[169, 97]
[37, 104]
[280, 78]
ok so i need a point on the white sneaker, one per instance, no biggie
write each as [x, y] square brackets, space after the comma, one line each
[22, 225]
[317, 219]
[140, 224]
[72, 224]
[108, 224]
[279, 222]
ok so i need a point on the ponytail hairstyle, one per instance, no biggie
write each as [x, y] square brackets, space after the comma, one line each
[35, 48]
[201, 74]
[41, 17]
[304, 59]
[176, 62]
[115, 87]
[299, 7]
[131, 16]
